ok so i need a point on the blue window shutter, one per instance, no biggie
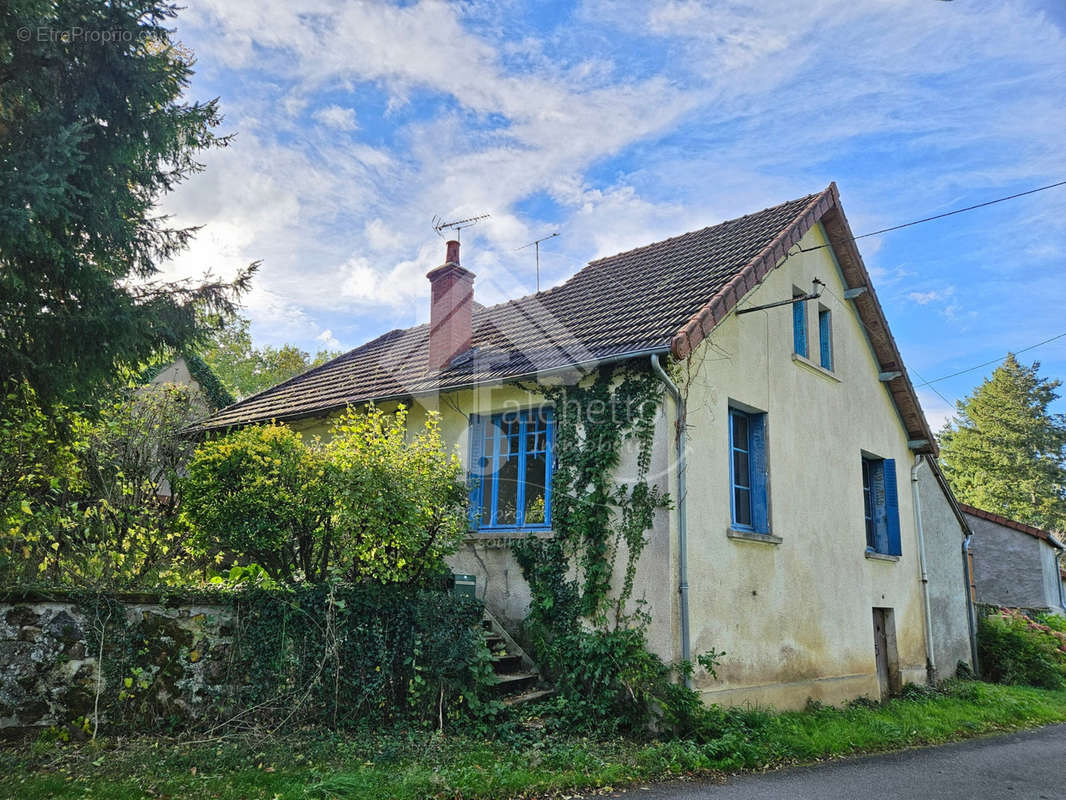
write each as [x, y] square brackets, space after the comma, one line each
[878, 501]
[475, 482]
[824, 341]
[760, 511]
[895, 547]
[799, 327]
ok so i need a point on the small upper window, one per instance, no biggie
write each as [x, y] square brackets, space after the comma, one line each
[747, 471]
[825, 337]
[799, 324]
[881, 506]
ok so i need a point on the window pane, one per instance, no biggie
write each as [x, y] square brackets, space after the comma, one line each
[536, 471]
[742, 506]
[507, 493]
[740, 431]
[486, 498]
[536, 437]
[741, 473]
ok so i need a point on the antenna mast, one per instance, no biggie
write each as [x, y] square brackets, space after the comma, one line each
[536, 245]
[456, 225]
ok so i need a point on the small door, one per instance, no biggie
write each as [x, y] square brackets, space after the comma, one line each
[888, 676]
[881, 650]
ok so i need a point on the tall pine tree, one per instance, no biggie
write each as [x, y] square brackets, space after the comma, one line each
[1005, 451]
[95, 129]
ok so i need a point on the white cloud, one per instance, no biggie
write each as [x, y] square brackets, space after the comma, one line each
[336, 117]
[328, 340]
[937, 411]
[933, 295]
[752, 104]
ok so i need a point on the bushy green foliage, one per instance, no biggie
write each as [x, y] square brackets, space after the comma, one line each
[90, 505]
[263, 495]
[400, 499]
[1005, 451]
[39, 472]
[1011, 648]
[378, 503]
[349, 655]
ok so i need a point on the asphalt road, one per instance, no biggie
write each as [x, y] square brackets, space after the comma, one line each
[1021, 766]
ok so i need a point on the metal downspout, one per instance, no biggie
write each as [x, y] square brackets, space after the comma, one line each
[930, 661]
[682, 539]
[971, 618]
[1058, 578]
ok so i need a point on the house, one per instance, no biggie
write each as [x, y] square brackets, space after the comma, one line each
[1014, 564]
[206, 395]
[810, 536]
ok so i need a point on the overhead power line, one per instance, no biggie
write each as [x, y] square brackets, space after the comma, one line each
[945, 214]
[993, 361]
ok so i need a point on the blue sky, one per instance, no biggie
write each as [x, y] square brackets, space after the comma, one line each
[618, 124]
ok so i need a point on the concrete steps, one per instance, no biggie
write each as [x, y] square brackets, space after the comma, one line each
[517, 677]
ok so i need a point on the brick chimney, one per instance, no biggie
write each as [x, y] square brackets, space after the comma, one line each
[451, 307]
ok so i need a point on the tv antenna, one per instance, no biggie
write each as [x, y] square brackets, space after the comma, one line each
[456, 225]
[536, 245]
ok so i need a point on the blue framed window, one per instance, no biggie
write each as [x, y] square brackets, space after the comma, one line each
[747, 471]
[880, 498]
[511, 469]
[825, 338]
[799, 326]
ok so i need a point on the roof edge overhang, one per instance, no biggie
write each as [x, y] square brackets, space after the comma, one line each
[1013, 524]
[825, 208]
[581, 366]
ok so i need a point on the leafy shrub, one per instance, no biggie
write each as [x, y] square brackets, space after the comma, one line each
[400, 499]
[348, 655]
[85, 500]
[337, 655]
[262, 495]
[378, 503]
[1015, 649]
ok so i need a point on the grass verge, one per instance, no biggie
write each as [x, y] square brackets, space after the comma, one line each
[527, 762]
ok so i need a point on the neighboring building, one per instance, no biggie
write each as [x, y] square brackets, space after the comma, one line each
[207, 395]
[1015, 564]
[805, 558]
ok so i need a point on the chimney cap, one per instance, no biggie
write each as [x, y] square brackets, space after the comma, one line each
[451, 254]
[444, 270]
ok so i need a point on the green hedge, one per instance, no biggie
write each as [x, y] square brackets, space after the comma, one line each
[339, 656]
[350, 655]
[1014, 648]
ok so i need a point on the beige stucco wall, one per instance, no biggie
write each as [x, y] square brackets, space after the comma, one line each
[795, 618]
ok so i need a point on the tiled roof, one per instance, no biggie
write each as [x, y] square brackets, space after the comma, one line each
[1038, 533]
[631, 302]
[663, 297]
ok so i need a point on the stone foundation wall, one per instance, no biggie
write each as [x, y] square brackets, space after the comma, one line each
[50, 660]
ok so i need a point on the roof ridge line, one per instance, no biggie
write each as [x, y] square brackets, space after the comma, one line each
[698, 230]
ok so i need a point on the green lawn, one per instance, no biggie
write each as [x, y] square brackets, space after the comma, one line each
[530, 763]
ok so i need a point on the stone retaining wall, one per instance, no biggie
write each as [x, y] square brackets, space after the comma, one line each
[50, 663]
